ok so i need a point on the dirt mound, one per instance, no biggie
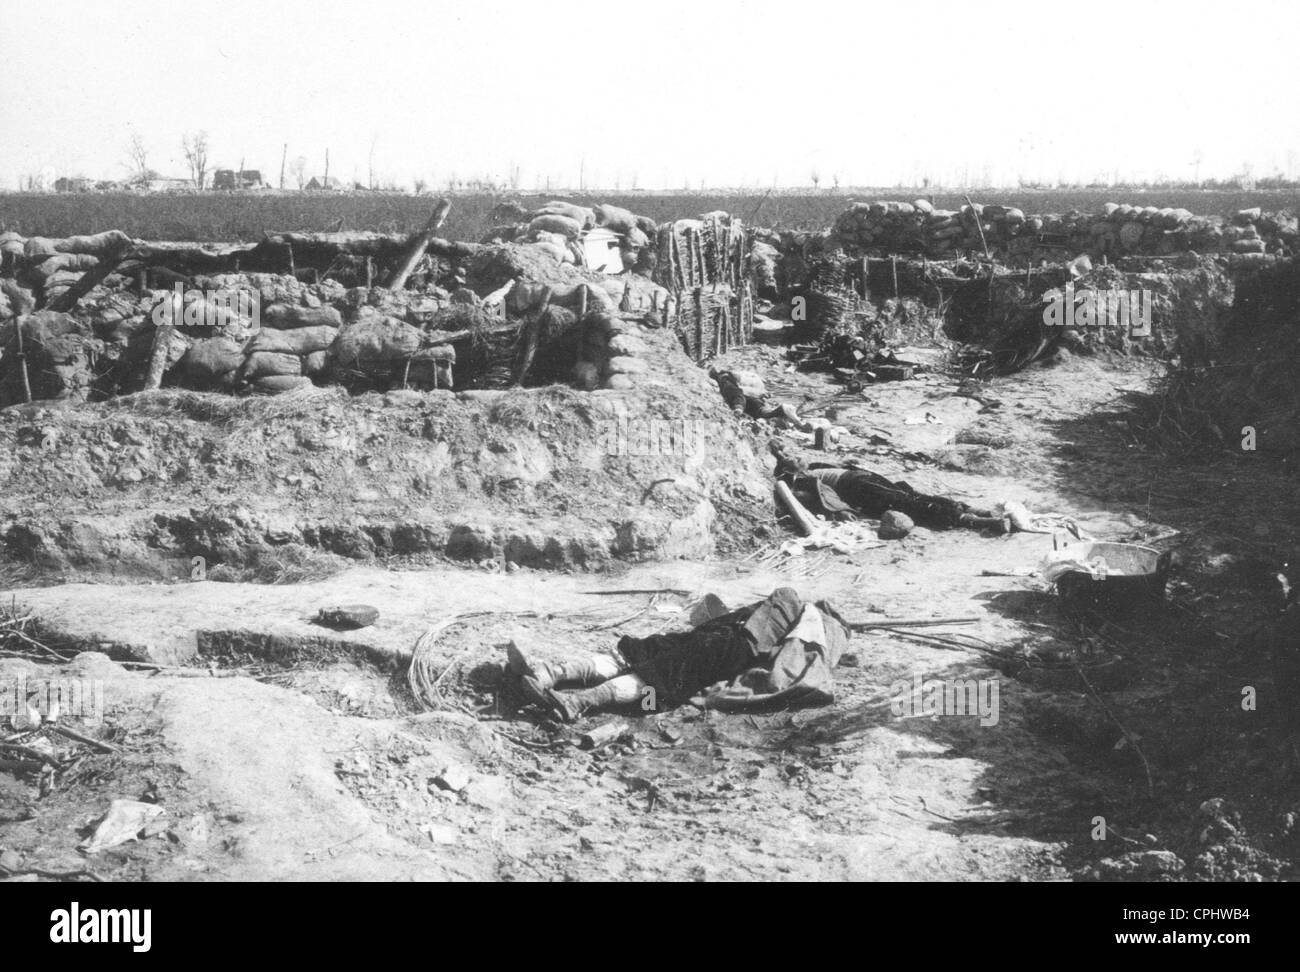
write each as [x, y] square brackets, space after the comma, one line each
[547, 477]
[1244, 373]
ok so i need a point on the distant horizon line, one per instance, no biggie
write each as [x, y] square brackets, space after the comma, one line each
[1208, 186]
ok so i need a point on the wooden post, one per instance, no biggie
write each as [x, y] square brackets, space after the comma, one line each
[283, 155]
[893, 263]
[675, 261]
[979, 225]
[22, 361]
[726, 324]
[418, 245]
[162, 340]
[534, 327]
[698, 293]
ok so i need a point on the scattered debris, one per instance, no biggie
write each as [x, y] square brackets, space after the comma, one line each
[124, 820]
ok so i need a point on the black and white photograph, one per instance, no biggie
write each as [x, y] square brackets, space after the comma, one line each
[591, 442]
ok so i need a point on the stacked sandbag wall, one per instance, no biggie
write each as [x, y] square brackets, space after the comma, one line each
[1012, 236]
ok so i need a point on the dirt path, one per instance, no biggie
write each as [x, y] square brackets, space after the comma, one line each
[321, 771]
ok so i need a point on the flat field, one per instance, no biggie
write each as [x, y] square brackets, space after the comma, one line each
[212, 217]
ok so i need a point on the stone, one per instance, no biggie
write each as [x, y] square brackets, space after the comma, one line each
[348, 617]
[442, 834]
[894, 525]
[454, 778]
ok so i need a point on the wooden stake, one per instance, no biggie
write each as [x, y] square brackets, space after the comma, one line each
[530, 348]
[22, 362]
[979, 225]
[162, 339]
[699, 324]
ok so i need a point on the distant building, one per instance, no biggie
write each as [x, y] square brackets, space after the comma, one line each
[325, 183]
[73, 184]
[153, 182]
[228, 180]
[167, 184]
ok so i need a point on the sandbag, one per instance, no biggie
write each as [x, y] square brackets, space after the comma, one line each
[20, 299]
[582, 215]
[263, 364]
[615, 218]
[566, 226]
[96, 245]
[285, 317]
[66, 261]
[543, 236]
[279, 384]
[526, 295]
[210, 363]
[38, 247]
[1130, 235]
[375, 343]
[200, 309]
[300, 340]
[315, 363]
[559, 252]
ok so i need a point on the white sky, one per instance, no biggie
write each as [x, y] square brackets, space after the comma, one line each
[722, 92]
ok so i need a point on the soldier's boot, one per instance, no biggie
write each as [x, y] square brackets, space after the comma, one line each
[584, 671]
[573, 705]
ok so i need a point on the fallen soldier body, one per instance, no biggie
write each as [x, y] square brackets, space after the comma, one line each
[843, 492]
[778, 652]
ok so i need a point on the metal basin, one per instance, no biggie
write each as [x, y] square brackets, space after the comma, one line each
[1134, 575]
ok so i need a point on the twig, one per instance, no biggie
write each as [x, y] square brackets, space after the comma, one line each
[1128, 736]
[644, 590]
[621, 621]
[912, 623]
[98, 744]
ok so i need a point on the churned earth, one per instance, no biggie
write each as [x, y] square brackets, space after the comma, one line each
[280, 749]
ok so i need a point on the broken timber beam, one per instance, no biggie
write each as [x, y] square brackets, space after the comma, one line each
[419, 245]
[91, 278]
[807, 525]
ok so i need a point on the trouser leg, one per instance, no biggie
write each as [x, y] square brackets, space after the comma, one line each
[572, 705]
